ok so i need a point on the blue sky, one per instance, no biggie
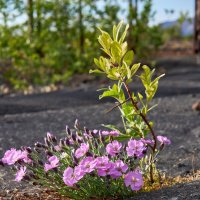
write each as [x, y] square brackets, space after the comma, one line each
[177, 5]
[160, 5]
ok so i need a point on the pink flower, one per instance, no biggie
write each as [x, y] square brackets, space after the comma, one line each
[135, 148]
[163, 140]
[88, 164]
[12, 156]
[118, 169]
[57, 148]
[82, 150]
[95, 131]
[114, 133]
[20, 174]
[103, 165]
[110, 133]
[134, 180]
[147, 141]
[113, 148]
[24, 157]
[105, 133]
[54, 162]
[71, 177]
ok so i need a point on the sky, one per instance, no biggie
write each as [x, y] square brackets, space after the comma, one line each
[177, 5]
[161, 5]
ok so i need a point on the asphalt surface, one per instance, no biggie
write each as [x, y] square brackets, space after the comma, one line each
[26, 119]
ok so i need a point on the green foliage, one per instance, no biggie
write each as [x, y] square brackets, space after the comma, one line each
[118, 65]
[143, 39]
[48, 41]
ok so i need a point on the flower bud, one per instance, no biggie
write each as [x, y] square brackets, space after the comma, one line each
[48, 153]
[66, 142]
[52, 148]
[62, 143]
[75, 160]
[28, 149]
[86, 130]
[76, 124]
[161, 147]
[39, 145]
[80, 140]
[49, 137]
[74, 136]
[68, 131]
[54, 139]
[47, 142]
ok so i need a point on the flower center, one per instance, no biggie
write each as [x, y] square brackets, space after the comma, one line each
[87, 165]
[134, 180]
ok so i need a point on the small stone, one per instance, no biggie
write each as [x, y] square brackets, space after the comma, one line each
[197, 194]
[196, 106]
[174, 198]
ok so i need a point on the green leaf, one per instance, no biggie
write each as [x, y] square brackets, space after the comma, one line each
[116, 52]
[124, 34]
[96, 71]
[158, 78]
[140, 96]
[116, 30]
[152, 107]
[114, 74]
[112, 127]
[113, 92]
[109, 93]
[96, 61]
[104, 64]
[105, 41]
[134, 69]
[128, 58]
[123, 137]
[128, 70]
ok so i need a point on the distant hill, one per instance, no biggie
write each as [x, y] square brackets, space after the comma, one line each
[187, 27]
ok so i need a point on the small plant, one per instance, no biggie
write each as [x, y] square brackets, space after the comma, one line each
[100, 164]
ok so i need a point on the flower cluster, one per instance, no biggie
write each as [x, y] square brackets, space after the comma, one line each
[80, 155]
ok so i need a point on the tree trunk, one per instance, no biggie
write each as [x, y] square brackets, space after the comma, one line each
[130, 20]
[30, 18]
[38, 11]
[81, 28]
[136, 24]
[197, 27]
[133, 21]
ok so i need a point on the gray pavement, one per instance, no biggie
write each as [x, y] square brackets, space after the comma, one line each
[26, 119]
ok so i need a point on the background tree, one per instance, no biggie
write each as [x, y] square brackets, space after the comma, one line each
[45, 42]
